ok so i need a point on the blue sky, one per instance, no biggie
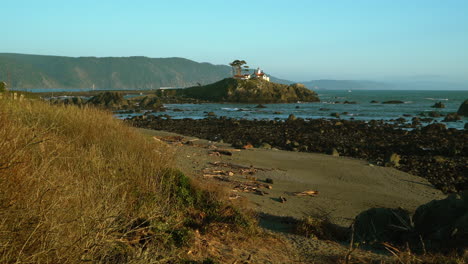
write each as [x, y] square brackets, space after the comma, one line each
[297, 40]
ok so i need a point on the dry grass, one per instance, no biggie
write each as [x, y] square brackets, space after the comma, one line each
[78, 185]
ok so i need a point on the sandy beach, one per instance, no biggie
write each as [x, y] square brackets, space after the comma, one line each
[346, 186]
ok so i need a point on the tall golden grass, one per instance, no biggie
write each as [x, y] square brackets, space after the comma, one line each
[78, 185]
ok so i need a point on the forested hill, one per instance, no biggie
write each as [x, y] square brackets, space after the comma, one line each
[38, 71]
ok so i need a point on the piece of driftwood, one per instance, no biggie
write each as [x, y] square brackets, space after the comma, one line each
[282, 199]
[306, 193]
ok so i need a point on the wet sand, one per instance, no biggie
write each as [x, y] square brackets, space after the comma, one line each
[346, 186]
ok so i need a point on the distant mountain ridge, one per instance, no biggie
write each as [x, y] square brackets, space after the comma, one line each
[39, 71]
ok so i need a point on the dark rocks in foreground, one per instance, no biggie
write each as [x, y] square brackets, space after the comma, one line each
[440, 225]
[433, 152]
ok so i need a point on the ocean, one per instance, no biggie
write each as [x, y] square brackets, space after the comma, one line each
[415, 102]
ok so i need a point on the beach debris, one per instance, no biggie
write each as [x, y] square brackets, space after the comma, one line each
[306, 193]
[269, 180]
[215, 153]
[189, 143]
[216, 173]
[282, 199]
[224, 152]
[260, 192]
[234, 196]
[247, 146]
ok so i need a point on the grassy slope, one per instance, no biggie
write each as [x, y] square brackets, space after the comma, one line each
[35, 71]
[249, 91]
[78, 185]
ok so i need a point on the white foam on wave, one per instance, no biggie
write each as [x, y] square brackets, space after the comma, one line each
[437, 99]
[230, 109]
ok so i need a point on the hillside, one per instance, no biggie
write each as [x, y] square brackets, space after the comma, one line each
[37, 71]
[249, 91]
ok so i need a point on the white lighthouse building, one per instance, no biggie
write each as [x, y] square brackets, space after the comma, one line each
[259, 74]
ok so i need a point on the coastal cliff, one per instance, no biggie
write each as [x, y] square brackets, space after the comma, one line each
[248, 91]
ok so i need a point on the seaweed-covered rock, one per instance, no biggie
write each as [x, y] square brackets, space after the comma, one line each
[452, 117]
[463, 109]
[152, 103]
[108, 100]
[438, 105]
[382, 225]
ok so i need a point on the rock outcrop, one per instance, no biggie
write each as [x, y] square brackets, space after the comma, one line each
[393, 102]
[463, 109]
[440, 225]
[112, 100]
[444, 223]
[249, 91]
[150, 103]
[378, 225]
[438, 105]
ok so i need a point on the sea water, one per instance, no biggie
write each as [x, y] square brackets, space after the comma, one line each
[415, 102]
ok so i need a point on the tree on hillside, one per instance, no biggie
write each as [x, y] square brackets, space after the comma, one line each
[2, 87]
[237, 66]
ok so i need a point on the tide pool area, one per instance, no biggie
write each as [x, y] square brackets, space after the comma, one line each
[358, 106]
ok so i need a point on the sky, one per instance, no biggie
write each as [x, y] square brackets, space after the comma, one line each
[297, 40]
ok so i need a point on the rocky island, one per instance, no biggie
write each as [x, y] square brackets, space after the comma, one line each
[247, 91]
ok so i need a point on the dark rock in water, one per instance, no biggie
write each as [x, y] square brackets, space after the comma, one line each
[374, 102]
[452, 117]
[378, 225]
[108, 100]
[337, 115]
[151, 103]
[392, 160]
[407, 115]
[463, 109]
[292, 117]
[438, 105]
[393, 102]
[400, 120]
[297, 107]
[260, 106]
[349, 102]
[211, 114]
[277, 113]
[434, 114]
[324, 109]
[466, 126]
[444, 223]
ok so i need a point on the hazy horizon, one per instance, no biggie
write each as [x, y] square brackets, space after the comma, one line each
[358, 40]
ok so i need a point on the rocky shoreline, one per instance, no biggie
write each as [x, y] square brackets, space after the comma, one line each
[433, 152]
